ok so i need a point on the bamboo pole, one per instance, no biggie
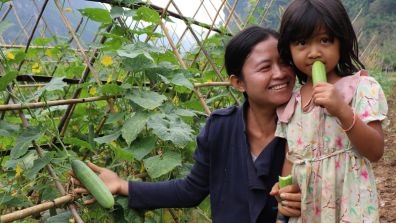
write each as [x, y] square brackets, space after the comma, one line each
[210, 84]
[9, 107]
[20, 214]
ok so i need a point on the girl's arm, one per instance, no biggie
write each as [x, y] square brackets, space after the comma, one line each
[367, 138]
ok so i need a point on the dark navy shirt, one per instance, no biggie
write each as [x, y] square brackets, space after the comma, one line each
[238, 187]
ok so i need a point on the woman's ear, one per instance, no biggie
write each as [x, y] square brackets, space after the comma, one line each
[237, 83]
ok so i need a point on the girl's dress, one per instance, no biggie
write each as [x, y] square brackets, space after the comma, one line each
[337, 183]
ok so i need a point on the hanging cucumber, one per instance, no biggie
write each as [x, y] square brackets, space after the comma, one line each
[93, 183]
[318, 72]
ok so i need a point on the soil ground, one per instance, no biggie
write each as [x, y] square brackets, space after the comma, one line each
[385, 169]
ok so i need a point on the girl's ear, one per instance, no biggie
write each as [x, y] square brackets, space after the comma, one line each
[237, 83]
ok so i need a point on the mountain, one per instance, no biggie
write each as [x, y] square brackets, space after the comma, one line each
[22, 16]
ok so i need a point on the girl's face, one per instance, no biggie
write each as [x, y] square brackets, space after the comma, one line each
[266, 79]
[321, 46]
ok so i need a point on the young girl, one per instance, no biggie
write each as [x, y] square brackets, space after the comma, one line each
[334, 128]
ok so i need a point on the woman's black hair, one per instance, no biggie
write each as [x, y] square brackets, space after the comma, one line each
[241, 45]
[303, 17]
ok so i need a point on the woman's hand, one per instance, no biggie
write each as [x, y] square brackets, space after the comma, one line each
[113, 182]
[289, 199]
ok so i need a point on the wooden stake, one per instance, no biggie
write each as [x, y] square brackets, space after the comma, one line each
[36, 209]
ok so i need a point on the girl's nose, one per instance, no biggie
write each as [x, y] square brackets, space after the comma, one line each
[314, 52]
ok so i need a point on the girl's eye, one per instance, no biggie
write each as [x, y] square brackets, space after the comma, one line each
[300, 42]
[325, 40]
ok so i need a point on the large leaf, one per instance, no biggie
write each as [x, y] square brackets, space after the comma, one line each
[147, 14]
[180, 80]
[147, 99]
[7, 129]
[38, 165]
[62, 217]
[111, 89]
[142, 146]
[6, 79]
[97, 14]
[134, 50]
[159, 165]
[108, 138]
[23, 142]
[56, 83]
[171, 127]
[123, 154]
[133, 126]
[77, 142]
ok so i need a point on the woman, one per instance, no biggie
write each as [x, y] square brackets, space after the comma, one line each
[238, 158]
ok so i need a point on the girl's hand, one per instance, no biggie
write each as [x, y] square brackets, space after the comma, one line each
[327, 96]
[113, 182]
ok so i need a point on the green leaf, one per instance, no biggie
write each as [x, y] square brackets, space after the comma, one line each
[147, 14]
[137, 64]
[115, 117]
[38, 165]
[111, 89]
[7, 129]
[132, 52]
[6, 79]
[56, 83]
[41, 41]
[108, 138]
[122, 154]
[180, 80]
[116, 12]
[147, 99]
[159, 165]
[133, 126]
[61, 217]
[77, 142]
[171, 127]
[97, 14]
[143, 146]
[23, 141]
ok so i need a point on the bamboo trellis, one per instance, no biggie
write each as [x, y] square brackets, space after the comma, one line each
[221, 13]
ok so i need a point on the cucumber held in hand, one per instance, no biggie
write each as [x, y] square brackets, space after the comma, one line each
[93, 183]
[318, 72]
[285, 181]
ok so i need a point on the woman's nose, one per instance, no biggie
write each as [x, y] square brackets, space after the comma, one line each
[277, 71]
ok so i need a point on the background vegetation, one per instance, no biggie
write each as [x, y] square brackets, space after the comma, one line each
[127, 103]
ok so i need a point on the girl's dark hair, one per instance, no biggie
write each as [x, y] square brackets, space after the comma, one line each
[241, 45]
[303, 17]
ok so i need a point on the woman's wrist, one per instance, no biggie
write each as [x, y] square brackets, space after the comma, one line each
[123, 188]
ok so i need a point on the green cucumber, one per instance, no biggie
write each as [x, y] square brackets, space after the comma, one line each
[318, 72]
[285, 181]
[93, 183]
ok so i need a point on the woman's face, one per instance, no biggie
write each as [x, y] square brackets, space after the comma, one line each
[266, 79]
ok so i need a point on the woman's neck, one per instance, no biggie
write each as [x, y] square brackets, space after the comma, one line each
[261, 125]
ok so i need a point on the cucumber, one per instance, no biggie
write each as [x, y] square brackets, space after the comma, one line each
[93, 183]
[318, 72]
[285, 181]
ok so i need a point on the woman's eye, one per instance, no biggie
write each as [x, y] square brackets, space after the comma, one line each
[264, 68]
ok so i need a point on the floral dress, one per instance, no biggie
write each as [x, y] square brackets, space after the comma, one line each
[337, 183]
